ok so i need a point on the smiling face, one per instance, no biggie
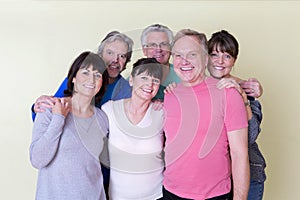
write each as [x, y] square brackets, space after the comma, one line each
[158, 47]
[189, 60]
[87, 82]
[220, 63]
[115, 55]
[144, 86]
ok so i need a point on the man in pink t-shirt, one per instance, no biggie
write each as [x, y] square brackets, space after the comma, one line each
[206, 130]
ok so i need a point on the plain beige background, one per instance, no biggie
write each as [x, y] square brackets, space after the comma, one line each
[40, 39]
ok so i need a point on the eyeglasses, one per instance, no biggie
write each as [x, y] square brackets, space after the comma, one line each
[162, 45]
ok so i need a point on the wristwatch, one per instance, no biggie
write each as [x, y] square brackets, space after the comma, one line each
[247, 103]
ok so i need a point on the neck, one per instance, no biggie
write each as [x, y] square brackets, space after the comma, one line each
[166, 70]
[199, 80]
[112, 80]
[82, 107]
[135, 110]
[136, 106]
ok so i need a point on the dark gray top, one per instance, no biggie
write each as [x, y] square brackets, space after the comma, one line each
[257, 161]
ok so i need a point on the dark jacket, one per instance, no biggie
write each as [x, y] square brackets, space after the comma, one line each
[257, 161]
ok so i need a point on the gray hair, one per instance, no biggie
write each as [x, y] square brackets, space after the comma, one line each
[156, 28]
[201, 37]
[113, 36]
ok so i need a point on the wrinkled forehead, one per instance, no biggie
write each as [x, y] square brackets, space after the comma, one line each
[186, 44]
[157, 36]
[117, 46]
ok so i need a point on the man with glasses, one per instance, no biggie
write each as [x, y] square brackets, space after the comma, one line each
[156, 42]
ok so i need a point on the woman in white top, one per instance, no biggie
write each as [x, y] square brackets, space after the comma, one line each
[136, 137]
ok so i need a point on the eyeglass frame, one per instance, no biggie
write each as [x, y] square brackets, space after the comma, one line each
[162, 45]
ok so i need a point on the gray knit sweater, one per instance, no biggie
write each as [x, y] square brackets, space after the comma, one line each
[66, 151]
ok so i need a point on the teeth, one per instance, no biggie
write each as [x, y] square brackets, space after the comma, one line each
[219, 67]
[147, 90]
[114, 66]
[90, 86]
[186, 68]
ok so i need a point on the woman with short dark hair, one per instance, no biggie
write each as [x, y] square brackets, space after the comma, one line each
[68, 139]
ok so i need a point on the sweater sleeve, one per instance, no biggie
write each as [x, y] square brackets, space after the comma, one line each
[254, 123]
[59, 93]
[46, 133]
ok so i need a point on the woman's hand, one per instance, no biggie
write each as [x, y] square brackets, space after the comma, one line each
[157, 105]
[232, 82]
[252, 87]
[169, 89]
[62, 106]
[228, 83]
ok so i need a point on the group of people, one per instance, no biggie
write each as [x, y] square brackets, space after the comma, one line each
[169, 131]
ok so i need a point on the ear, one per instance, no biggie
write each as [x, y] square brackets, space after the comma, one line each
[206, 59]
[234, 62]
[74, 80]
[130, 80]
[144, 51]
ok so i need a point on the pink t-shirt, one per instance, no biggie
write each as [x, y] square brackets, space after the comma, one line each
[197, 152]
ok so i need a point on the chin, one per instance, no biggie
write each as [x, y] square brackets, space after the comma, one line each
[216, 76]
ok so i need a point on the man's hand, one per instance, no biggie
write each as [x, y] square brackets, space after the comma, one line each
[43, 101]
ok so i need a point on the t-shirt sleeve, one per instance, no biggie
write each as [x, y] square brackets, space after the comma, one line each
[235, 111]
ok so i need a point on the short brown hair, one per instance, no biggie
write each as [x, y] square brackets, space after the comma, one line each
[224, 42]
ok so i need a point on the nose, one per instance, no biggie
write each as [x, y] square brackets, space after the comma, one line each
[184, 61]
[92, 78]
[149, 82]
[116, 58]
[220, 59]
[158, 49]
